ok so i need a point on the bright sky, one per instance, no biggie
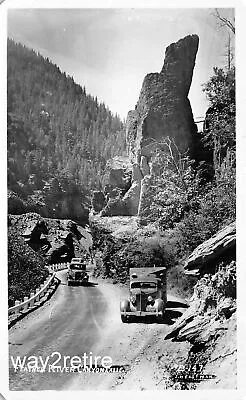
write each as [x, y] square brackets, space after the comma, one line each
[109, 51]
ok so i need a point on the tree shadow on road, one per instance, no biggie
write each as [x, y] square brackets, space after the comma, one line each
[86, 284]
[176, 304]
[91, 284]
[169, 318]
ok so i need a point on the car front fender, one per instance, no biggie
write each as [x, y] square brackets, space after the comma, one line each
[124, 305]
[159, 304]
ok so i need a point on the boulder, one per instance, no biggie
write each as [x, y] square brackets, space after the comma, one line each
[117, 174]
[221, 246]
[126, 205]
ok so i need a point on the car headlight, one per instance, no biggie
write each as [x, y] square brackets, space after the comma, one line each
[133, 299]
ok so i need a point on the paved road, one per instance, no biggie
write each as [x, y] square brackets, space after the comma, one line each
[70, 324]
[78, 320]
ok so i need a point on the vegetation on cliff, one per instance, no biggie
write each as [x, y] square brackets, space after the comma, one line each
[191, 201]
[26, 269]
[115, 256]
[196, 200]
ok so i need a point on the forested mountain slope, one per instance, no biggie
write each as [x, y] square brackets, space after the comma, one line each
[59, 137]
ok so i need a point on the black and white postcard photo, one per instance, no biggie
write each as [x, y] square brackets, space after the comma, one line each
[120, 270]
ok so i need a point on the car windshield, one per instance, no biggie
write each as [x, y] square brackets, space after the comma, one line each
[143, 285]
[77, 266]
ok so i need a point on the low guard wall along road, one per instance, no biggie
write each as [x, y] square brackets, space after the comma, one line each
[40, 292]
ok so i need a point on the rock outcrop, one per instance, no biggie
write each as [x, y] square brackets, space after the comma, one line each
[163, 110]
[210, 305]
[220, 246]
[56, 240]
[214, 297]
[117, 176]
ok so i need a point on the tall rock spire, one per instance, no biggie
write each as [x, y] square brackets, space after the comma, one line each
[163, 108]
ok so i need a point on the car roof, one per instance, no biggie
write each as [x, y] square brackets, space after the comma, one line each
[145, 279]
[76, 262]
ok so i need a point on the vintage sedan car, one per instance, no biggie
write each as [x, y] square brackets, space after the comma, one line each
[76, 273]
[148, 294]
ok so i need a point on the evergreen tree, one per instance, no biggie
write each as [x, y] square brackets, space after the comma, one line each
[55, 128]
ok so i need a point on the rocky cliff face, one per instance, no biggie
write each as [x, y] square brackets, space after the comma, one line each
[163, 110]
[209, 324]
[221, 246]
[55, 240]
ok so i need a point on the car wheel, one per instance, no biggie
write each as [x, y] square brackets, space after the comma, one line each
[68, 283]
[123, 318]
[160, 318]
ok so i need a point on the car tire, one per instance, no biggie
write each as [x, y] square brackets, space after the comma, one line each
[160, 318]
[123, 318]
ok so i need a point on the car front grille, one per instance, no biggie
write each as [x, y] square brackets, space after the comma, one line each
[77, 275]
[141, 301]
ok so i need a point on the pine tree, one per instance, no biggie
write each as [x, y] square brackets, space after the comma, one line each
[55, 127]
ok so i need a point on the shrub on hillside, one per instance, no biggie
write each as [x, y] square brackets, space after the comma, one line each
[26, 269]
[217, 208]
[213, 289]
[117, 256]
[220, 122]
[225, 280]
[173, 186]
[180, 284]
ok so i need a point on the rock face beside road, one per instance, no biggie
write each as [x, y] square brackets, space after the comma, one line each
[209, 308]
[163, 110]
[209, 324]
[204, 257]
[56, 240]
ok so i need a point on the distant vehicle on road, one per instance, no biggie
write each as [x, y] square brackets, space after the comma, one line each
[148, 294]
[76, 273]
